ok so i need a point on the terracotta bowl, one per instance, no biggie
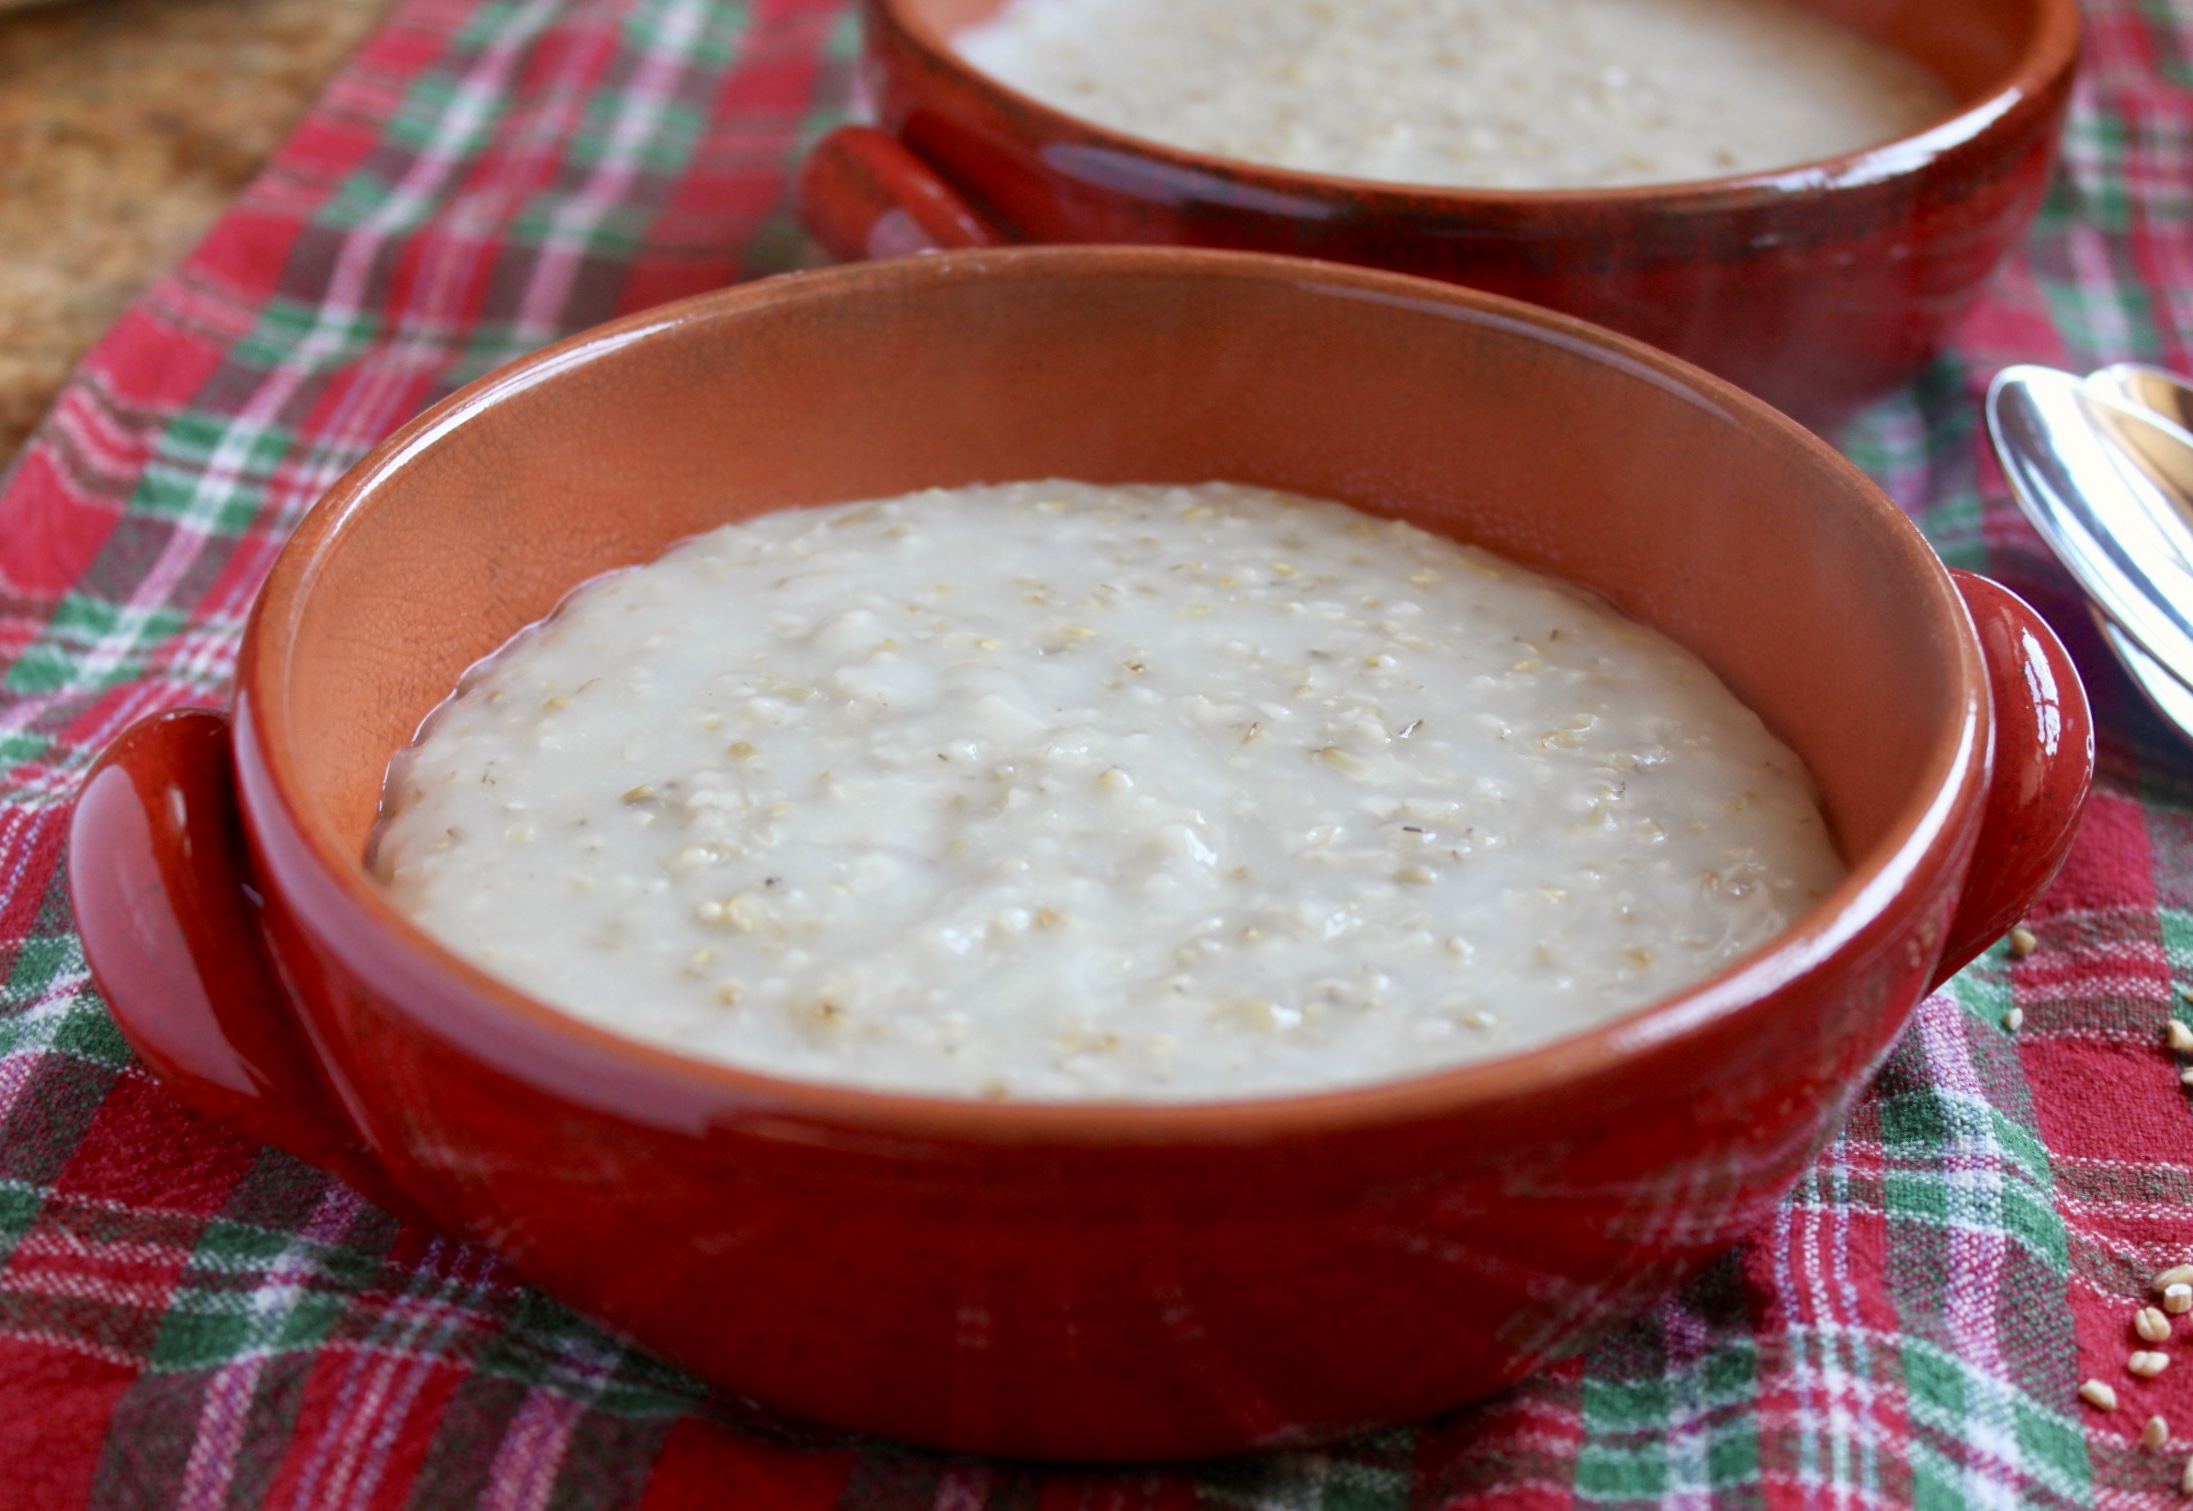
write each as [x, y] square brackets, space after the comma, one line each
[1817, 286]
[1076, 1281]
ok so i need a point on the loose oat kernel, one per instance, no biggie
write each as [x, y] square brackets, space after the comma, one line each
[2147, 1364]
[2185, 1480]
[2155, 1433]
[2014, 1019]
[2150, 1323]
[2178, 1299]
[2099, 1396]
[2177, 1274]
[2180, 1037]
[2022, 942]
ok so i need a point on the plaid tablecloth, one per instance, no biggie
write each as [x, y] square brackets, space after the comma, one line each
[186, 1320]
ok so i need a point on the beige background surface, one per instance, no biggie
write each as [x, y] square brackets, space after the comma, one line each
[125, 127]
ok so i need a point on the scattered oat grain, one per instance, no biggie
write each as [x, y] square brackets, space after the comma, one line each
[2181, 1037]
[2150, 1323]
[2146, 1363]
[2155, 1433]
[2022, 942]
[2099, 1396]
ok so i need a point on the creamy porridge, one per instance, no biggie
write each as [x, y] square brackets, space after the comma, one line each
[1513, 94]
[1059, 791]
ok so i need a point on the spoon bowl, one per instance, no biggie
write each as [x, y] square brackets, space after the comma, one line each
[2144, 386]
[2108, 487]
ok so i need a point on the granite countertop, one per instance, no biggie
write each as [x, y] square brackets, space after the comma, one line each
[125, 127]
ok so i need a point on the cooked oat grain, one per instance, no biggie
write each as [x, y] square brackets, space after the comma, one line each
[1065, 792]
[1508, 94]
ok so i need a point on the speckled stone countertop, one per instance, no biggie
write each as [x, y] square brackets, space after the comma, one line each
[125, 127]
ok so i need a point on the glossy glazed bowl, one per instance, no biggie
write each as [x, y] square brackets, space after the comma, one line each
[1816, 286]
[1076, 1281]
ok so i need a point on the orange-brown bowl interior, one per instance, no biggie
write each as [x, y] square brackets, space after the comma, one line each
[1689, 505]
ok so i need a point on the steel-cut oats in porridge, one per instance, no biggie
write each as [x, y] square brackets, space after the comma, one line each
[1499, 94]
[1059, 791]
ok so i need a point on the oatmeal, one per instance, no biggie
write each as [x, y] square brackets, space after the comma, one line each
[1058, 791]
[1506, 94]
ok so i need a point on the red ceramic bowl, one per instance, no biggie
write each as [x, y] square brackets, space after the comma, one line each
[1076, 1281]
[1816, 287]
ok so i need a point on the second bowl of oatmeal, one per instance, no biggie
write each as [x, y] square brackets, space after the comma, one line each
[1067, 1272]
[1734, 220]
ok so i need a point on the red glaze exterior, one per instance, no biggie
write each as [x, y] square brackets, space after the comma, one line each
[1089, 1282]
[2044, 765]
[864, 195]
[164, 895]
[1816, 287]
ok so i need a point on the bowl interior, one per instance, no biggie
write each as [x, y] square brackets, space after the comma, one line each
[1973, 46]
[1691, 507]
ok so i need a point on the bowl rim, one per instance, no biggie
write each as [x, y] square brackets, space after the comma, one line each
[2048, 58]
[337, 904]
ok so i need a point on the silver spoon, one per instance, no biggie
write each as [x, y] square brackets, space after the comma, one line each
[2154, 456]
[2109, 485]
[2170, 398]
[2083, 470]
[2165, 694]
[2156, 389]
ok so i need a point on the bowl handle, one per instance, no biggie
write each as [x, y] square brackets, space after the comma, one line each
[2038, 778]
[864, 195]
[162, 885]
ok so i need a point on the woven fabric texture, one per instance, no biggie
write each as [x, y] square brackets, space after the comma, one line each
[187, 1320]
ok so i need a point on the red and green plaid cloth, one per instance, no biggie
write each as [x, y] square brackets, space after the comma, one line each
[189, 1321]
